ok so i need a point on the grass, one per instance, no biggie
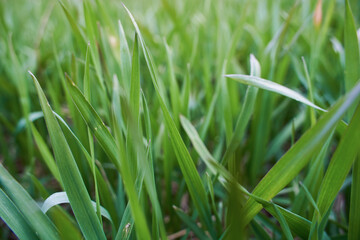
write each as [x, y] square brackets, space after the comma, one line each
[179, 120]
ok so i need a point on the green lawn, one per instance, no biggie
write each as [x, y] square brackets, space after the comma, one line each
[192, 119]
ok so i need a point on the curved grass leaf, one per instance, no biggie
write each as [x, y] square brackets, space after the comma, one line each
[22, 122]
[38, 221]
[299, 155]
[73, 184]
[61, 197]
[11, 215]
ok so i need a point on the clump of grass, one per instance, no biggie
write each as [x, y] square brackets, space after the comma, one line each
[179, 120]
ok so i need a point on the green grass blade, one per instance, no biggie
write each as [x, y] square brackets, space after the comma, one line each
[298, 224]
[352, 59]
[299, 155]
[190, 223]
[309, 197]
[125, 59]
[95, 123]
[38, 221]
[191, 176]
[132, 187]
[310, 90]
[174, 88]
[340, 164]
[354, 219]
[135, 135]
[45, 153]
[283, 223]
[74, 186]
[78, 33]
[105, 189]
[11, 215]
[245, 114]
[135, 82]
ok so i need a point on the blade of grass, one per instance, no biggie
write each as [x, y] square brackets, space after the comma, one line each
[191, 176]
[87, 93]
[74, 186]
[190, 223]
[299, 155]
[38, 221]
[133, 212]
[45, 153]
[114, 151]
[11, 215]
[354, 219]
[94, 121]
[125, 59]
[298, 224]
[174, 88]
[340, 164]
[352, 59]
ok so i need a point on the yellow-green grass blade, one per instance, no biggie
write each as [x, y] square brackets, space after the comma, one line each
[191, 176]
[28, 208]
[354, 218]
[11, 215]
[299, 155]
[73, 184]
[340, 164]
